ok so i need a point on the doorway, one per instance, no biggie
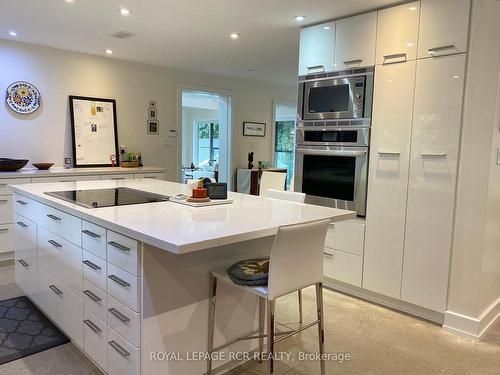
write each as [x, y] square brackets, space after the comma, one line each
[206, 135]
[285, 117]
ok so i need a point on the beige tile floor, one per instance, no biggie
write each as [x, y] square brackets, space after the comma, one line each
[380, 341]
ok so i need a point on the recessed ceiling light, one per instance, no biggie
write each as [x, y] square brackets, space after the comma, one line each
[108, 52]
[12, 33]
[299, 18]
[124, 11]
[326, 27]
[409, 44]
[69, 1]
[412, 8]
[456, 76]
[234, 35]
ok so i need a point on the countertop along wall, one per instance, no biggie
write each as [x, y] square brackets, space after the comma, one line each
[46, 134]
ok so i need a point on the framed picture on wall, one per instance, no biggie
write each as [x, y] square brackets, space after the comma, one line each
[153, 113]
[254, 129]
[94, 131]
[153, 127]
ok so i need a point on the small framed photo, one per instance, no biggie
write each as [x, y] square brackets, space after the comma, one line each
[152, 104]
[152, 113]
[254, 129]
[153, 127]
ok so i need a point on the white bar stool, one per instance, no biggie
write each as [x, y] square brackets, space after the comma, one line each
[272, 180]
[298, 246]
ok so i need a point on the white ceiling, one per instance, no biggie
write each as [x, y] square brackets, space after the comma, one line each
[185, 34]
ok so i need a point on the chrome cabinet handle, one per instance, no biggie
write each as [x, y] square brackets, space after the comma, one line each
[381, 152]
[94, 266]
[22, 203]
[92, 326]
[91, 234]
[316, 67]
[54, 243]
[92, 296]
[394, 56]
[3, 200]
[119, 281]
[56, 290]
[328, 255]
[118, 246]
[441, 48]
[23, 263]
[118, 348]
[358, 61]
[119, 315]
[53, 217]
[21, 224]
[432, 154]
[4, 230]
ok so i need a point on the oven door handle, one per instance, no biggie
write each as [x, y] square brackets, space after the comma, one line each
[331, 152]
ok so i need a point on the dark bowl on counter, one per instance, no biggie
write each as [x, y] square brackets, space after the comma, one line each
[11, 165]
[42, 166]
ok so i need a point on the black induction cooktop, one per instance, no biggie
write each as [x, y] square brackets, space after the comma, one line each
[98, 198]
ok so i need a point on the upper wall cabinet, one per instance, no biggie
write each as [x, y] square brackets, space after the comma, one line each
[397, 33]
[355, 40]
[317, 48]
[444, 26]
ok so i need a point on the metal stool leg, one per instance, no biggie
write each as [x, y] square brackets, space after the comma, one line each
[321, 324]
[211, 322]
[262, 322]
[270, 337]
[299, 292]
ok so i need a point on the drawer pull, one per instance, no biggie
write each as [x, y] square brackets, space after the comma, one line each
[118, 348]
[22, 203]
[119, 281]
[118, 246]
[319, 68]
[92, 326]
[382, 152]
[91, 234]
[53, 217]
[4, 230]
[54, 243]
[23, 263]
[358, 61]
[92, 296]
[394, 56]
[3, 200]
[21, 224]
[94, 266]
[438, 49]
[56, 290]
[119, 315]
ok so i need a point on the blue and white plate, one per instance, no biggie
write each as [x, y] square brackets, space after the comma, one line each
[22, 97]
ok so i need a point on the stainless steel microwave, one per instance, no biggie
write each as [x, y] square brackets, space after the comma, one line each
[336, 95]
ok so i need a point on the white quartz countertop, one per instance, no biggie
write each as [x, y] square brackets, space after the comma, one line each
[181, 229]
[59, 171]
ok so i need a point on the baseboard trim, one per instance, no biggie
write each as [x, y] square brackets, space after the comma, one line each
[379, 299]
[471, 327]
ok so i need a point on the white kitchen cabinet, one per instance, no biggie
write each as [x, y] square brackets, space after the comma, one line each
[433, 170]
[444, 27]
[348, 236]
[397, 33]
[388, 176]
[26, 275]
[153, 176]
[342, 266]
[64, 179]
[6, 238]
[316, 48]
[95, 338]
[5, 209]
[123, 176]
[355, 39]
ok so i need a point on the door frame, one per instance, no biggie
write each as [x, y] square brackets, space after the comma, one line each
[273, 124]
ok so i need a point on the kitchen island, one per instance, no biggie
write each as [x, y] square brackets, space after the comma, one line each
[129, 284]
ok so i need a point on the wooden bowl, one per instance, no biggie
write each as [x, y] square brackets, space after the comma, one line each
[11, 165]
[42, 166]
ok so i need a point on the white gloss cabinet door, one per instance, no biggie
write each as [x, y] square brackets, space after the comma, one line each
[397, 33]
[433, 170]
[355, 39]
[316, 48]
[388, 176]
[444, 27]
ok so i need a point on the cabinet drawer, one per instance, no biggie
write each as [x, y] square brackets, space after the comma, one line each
[67, 226]
[95, 339]
[26, 207]
[123, 176]
[24, 235]
[94, 239]
[155, 176]
[344, 267]
[60, 304]
[95, 300]
[6, 238]
[5, 209]
[94, 269]
[125, 322]
[123, 252]
[5, 182]
[65, 179]
[348, 236]
[26, 275]
[123, 358]
[124, 287]
[61, 259]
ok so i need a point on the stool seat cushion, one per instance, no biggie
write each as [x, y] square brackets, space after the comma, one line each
[250, 272]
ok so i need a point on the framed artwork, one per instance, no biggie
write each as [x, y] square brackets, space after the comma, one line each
[153, 127]
[152, 113]
[94, 131]
[254, 129]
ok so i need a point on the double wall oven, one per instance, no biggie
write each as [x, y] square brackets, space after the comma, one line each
[332, 140]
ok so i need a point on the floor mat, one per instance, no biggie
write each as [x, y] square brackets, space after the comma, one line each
[25, 330]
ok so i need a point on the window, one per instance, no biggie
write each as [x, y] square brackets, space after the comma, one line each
[284, 147]
[206, 150]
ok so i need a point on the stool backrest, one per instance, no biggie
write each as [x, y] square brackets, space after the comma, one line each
[272, 180]
[297, 257]
[286, 195]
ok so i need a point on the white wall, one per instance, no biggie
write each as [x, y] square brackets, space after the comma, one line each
[46, 136]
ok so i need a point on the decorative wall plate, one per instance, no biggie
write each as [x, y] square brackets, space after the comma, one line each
[22, 97]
